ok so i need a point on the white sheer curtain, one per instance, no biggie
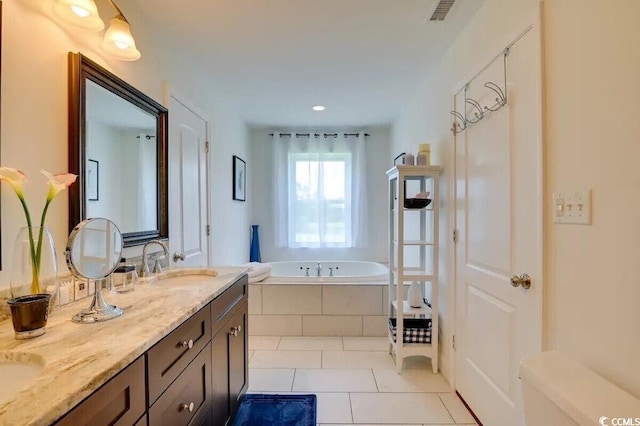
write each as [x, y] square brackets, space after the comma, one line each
[320, 191]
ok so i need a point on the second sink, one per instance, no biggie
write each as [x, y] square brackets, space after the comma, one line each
[17, 370]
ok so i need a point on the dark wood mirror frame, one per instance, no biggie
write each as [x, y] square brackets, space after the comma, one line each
[0, 113]
[82, 69]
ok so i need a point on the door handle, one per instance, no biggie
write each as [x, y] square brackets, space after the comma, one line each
[177, 256]
[523, 280]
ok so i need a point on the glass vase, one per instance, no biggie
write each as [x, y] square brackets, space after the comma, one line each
[34, 269]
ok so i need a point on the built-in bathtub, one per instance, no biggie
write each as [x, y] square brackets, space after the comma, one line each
[348, 299]
[328, 272]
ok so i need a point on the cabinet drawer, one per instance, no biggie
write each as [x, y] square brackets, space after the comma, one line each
[167, 359]
[120, 401]
[187, 400]
[226, 301]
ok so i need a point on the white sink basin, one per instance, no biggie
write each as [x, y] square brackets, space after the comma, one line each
[18, 370]
[180, 276]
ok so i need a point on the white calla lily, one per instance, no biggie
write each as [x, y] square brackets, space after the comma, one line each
[57, 183]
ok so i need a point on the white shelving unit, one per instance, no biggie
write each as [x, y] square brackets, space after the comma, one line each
[413, 256]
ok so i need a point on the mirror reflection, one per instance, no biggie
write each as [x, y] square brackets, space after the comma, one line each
[94, 248]
[121, 164]
[118, 148]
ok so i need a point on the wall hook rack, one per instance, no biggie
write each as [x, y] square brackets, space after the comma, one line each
[479, 112]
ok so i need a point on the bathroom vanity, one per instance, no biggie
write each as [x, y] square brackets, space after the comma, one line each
[177, 356]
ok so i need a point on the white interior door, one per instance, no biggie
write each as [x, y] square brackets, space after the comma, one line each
[188, 216]
[499, 222]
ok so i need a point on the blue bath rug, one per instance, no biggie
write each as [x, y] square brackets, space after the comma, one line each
[276, 410]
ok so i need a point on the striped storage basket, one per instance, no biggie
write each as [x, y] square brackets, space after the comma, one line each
[416, 330]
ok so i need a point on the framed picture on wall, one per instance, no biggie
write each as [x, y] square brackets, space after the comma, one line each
[239, 179]
[93, 170]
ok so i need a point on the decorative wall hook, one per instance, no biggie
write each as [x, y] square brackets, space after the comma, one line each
[501, 100]
[457, 126]
[479, 114]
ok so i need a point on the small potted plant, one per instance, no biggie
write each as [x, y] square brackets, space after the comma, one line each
[33, 275]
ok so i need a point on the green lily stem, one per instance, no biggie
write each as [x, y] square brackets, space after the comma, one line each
[39, 250]
[35, 258]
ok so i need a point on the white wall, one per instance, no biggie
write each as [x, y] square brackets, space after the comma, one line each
[426, 119]
[592, 61]
[34, 116]
[231, 219]
[378, 160]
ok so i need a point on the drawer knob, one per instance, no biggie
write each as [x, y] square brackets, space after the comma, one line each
[187, 407]
[186, 345]
[235, 330]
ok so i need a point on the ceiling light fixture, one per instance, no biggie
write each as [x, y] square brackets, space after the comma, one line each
[118, 40]
[80, 13]
[318, 108]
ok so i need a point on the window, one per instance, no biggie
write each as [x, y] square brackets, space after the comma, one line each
[319, 191]
[319, 194]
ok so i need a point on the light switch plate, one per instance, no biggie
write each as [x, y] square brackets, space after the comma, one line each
[572, 207]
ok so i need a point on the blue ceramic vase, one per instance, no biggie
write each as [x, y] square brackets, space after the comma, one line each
[254, 252]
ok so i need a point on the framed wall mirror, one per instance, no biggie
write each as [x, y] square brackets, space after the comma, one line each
[118, 148]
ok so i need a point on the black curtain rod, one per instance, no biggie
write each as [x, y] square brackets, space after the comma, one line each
[317, 135]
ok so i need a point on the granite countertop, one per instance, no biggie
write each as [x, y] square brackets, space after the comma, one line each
[79, 358]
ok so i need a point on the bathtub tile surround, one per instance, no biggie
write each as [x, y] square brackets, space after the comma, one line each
[304, 309]
[275, 325]
[332, 325]
[286, 299]
[255, 299]
[360, 394]
[372, 325]
[351, 300]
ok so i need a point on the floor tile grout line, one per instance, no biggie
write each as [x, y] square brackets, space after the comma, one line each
[351, 408]
[293, 380]
[375, 380]
[446, 408]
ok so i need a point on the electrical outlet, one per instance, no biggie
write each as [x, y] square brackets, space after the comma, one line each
[572, 207]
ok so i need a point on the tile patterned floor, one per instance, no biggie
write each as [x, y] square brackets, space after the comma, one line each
[355, 381]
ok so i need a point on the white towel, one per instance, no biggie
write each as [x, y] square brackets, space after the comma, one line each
[257, 268]
[258, 278]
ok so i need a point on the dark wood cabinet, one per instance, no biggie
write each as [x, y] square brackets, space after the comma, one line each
[230, 365]
[196, 375]
[238, 357]
[120, 401]
[187, 401]
[169, 357]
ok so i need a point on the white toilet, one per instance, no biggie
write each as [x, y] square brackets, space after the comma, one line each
[559, 391]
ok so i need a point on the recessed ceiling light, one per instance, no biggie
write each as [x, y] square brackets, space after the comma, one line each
[318, 108]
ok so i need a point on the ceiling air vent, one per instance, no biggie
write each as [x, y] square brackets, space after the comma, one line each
[441, 10]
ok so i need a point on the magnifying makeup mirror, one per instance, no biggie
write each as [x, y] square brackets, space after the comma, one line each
[93, 253]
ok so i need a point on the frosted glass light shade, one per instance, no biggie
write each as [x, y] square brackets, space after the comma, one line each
[119, 42]
[79, 13]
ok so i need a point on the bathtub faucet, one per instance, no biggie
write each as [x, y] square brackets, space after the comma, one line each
[318, 269]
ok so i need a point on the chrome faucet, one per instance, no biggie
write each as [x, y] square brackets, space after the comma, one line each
[144, 269]
[318, 269]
